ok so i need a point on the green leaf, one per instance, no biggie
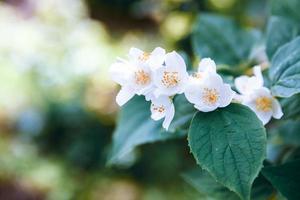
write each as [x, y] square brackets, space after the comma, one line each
[284, 24]
[289, 131]
[286, 8]
[261, 189]
[291, 107]
[285, 178]
[222, 39]
[280, 30]
[230, 143]
[206, 185]
[135, 127]
[285, 70]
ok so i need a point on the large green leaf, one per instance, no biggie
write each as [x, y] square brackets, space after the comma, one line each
[286, 8]
[283, 25]
[291, 107]
[280, 30]
[286, 178]
[230, 143]
[285, 70]
[206, 185]
[135, 126]
[222, 39]
[289, 131]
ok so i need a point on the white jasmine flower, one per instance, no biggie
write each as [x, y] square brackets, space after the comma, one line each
[256, 97]
[154, 59]
[171, 78]
[162, 107]
[263, 104]
[209, 93]
[206, 66]
[246, 84]
[133, 78]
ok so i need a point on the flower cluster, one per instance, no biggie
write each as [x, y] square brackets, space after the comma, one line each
[159, 76]
[257, 97]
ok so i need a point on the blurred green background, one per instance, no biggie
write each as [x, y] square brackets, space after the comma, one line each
[57, 107]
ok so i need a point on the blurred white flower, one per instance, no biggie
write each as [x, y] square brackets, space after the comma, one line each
[209, 93]
[134, 79]
[155, 59]
[170, 79]
[162, 107]
[263, 104]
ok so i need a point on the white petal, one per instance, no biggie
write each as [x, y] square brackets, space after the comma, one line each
[226, 95]
[258, 74]
[124, 95]
[246, 84]
[149, 96]
[263, 91]
[158, 51]
[169, 116]
[238, 98]
[265, 117]
[205, 108]
[277, 111]
[241, 84]
[207, 65]
[119, 72]
[174, 62]
[162, 101]
[157, 58]
[157, 116]
[134, 53]
[192, 91]
[213, 80]
[145, 90]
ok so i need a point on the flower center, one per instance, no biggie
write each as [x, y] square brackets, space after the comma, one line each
[263, 104]
[141, 77]
[159, 109]
[144, 57]
[170, 79]
[210, 96]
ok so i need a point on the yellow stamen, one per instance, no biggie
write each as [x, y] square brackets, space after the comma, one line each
[170, 79]
[210, 96]
[141, 77]
[159, 109]
[263, 104]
